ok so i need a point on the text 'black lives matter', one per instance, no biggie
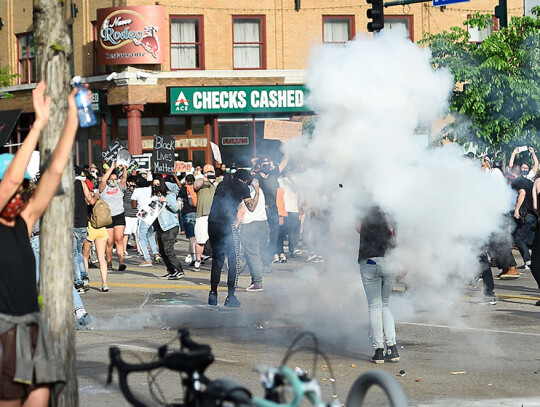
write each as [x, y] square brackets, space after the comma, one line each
[163, 155]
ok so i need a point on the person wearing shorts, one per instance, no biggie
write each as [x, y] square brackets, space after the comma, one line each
[205, 188]
[130, 214]
[189, 210]
[99, 237]
[112, 192]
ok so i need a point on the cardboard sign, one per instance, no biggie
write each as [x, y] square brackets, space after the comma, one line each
[163, 155]
[181, 166]
[281, 130]
[151, 210]
[216, 152]
[111, 152]
[143, 161]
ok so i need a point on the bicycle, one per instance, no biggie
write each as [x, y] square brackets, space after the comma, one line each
[284, 387]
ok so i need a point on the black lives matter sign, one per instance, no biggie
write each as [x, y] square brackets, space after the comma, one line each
[163, 155]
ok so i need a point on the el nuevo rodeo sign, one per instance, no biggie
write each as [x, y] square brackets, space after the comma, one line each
[131, 35]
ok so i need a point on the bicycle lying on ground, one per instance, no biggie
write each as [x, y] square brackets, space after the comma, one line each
[284, 387]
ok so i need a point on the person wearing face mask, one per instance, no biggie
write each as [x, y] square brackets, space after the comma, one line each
[166, 226]
[28, 365]
[526, 169]
[112, 192]
[268, 181]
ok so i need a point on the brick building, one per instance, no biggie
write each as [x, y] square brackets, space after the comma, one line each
[223, 66]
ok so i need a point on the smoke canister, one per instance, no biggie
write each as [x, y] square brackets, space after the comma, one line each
[84, 104]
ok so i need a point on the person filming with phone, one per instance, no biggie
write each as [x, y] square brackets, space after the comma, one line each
[526, 169]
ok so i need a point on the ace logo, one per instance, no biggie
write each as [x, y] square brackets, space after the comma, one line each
[181, 103]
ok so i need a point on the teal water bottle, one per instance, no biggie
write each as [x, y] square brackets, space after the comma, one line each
[84, 104]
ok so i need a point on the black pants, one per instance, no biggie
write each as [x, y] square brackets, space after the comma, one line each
[535, 258]
[487, 277]
[225, 242]
[166, 240]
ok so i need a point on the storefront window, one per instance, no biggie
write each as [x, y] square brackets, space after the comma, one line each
[181, 155]
[149, 126]
[197, 125]
[198, 157]
[236, 143]
[122, 129]
[174, 126]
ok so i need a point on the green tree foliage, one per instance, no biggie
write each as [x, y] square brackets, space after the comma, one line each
[6, 79]
[497, 81]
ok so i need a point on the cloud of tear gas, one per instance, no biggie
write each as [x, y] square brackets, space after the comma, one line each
[370, 95]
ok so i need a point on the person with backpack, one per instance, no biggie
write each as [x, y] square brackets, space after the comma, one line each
[189, 213]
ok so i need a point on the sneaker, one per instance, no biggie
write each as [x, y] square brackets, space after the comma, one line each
[188, 258]
[282, 258]
[83, 321]
[212, 298]
[379, 356]
[127, 255]
[197, 265]
[276, 259]
[177, 275]
[157, 258]
[105, 288]
[255, 288]
[312, 256]
[231, 301]
[166, 276]
[392, 354]
[79, 288]
[204, 258]
[109, 266]
[146, 263]
[192, 263]
[297, 252]
[121, 267]
[86, 283]
[487, 300]
[319, 259]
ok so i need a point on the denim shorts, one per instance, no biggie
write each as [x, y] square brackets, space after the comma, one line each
[188, 219]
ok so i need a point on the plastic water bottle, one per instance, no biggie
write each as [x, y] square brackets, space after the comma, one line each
[84, 104]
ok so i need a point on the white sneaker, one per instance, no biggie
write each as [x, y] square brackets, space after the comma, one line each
[197, 265]
[188, 259]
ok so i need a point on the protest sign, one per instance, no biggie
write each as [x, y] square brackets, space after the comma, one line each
[163, 155]
[281, 129]
[151, 210]
[181, 166]
[216, 152]
[111, 152]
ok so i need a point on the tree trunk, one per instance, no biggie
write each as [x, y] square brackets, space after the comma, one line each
[53, 52]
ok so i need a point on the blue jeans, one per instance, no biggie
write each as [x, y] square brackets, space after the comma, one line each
[188, 219]
[378, 288]
[146, 237]
[34, 242]
[79, 268]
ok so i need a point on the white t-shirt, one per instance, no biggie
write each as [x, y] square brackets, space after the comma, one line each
[142, 196]
[290, 198]
[259, 214]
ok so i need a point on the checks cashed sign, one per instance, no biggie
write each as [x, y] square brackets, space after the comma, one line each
[238, 99]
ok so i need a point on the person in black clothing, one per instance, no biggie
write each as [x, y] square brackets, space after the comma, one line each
[376, 238]
[189, 212]
[268, 181]
[535, 258]
[523, 214]
[222, 231]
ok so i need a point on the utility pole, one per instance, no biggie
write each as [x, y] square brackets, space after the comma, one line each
[53, 53]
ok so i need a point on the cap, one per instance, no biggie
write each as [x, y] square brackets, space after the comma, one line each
[5, 159]
[93, 165]
[208, 168]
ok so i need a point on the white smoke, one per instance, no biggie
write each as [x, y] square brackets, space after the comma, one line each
[370, 95]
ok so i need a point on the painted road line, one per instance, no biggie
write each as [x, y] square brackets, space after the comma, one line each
[517, 297]
[465, 328]
[159, 286]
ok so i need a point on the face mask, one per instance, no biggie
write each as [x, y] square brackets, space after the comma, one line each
[112, 183]
[524, 173]
[155, 189]
[13, 208]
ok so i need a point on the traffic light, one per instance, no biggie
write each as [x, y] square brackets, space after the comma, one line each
[376, 14]
[297, 5]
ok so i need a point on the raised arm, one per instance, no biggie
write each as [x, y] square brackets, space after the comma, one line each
[251, 204]
[284, 161]
[50, 179]
[123, 181]
[512, 157]
[14, 174]
[106, 176]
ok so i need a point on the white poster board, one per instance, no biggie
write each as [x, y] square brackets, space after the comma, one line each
[151, 210]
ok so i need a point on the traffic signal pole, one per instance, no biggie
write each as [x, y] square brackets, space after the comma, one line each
[404, 2]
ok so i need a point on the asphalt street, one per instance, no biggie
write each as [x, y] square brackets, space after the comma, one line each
[454, 352]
